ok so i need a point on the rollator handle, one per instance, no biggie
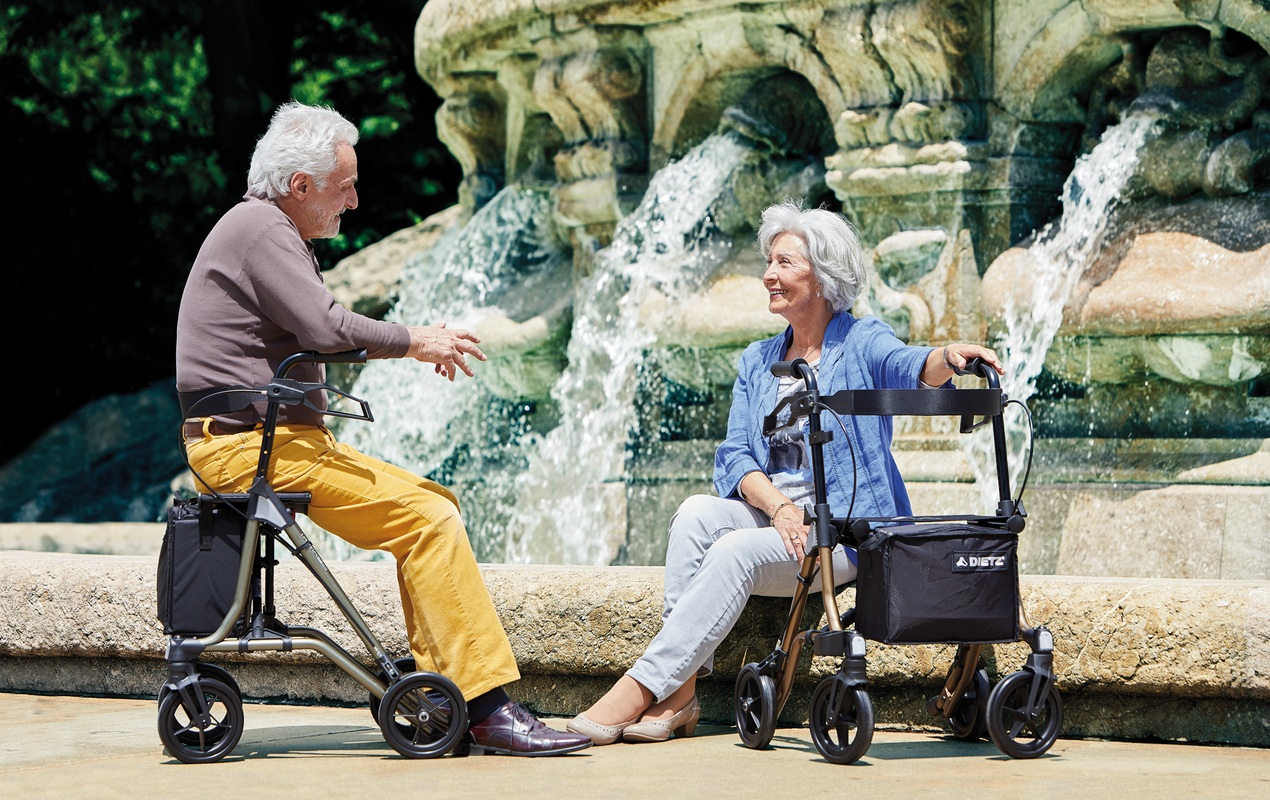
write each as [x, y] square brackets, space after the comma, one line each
[979, 368]
[314, 357]
[798, 368]
[787, 369]
[346, 357]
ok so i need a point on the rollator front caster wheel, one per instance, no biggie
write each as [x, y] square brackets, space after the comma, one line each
[205, 671]
[754, 704]
[195, 738]
[1008, 724]
[970, 719]
[405, 666]
[423, 715]
[841, 721]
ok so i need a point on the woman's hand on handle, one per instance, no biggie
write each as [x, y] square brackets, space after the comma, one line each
[447, 348]
[939, 364]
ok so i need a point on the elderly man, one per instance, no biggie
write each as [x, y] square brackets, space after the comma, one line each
[255, 296]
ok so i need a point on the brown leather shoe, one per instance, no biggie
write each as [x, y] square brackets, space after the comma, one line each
[513, 731]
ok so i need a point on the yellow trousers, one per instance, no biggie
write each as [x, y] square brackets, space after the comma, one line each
[450, 619]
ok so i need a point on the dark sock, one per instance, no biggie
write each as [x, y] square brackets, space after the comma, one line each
[482, 707]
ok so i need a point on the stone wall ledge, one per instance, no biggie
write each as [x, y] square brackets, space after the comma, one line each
[1172, 659]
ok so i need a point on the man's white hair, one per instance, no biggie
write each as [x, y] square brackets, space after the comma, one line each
[837, 260]
[300, 139]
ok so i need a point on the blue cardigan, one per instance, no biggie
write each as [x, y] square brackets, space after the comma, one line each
[856, 354]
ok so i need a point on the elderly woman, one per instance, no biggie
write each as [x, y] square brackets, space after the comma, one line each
[751, 538]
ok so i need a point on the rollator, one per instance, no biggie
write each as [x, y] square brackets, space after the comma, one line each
[211, 574]
[921, 580]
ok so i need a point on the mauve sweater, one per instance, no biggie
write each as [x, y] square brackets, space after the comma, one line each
[255, 296]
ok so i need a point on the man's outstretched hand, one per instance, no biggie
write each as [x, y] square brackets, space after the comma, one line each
[445, 347]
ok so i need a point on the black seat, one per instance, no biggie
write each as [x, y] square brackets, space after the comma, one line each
[294, 501]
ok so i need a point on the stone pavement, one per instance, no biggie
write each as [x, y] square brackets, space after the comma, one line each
[60, 747]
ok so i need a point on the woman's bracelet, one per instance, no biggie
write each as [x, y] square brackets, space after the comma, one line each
[777, 510]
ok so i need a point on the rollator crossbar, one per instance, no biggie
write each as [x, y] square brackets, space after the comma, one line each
[962, 403]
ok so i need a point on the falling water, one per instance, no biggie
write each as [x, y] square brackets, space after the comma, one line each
[505, 261]
[542, 492]
[1045, 280]
[571, 502]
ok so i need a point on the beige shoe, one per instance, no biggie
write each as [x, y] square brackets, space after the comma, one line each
[683, 723]
[600, 734]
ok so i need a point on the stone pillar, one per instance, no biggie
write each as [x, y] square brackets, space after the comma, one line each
[597, 99]
[472, 124]
[938, 180]
[532, 137]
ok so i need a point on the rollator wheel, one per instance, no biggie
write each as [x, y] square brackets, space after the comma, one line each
[841, 721]
[405, 666]
[970, 719]
[205, 671]
[754, 703]
[1008, 724]
[189, 742]
[423, 715]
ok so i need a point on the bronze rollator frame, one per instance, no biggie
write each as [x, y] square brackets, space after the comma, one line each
[408, 705]
[1024, 703]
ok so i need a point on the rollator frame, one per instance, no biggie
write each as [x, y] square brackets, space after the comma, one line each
[407, 704]
[763, 688]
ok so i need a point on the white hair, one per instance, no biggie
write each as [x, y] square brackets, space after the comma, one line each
[300, 139]
[837, 260]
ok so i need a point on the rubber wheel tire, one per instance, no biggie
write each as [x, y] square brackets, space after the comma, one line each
[213, 672]
[841, 721]
[185, 741]
[969, 720]
[1007, 718]
[405, 666]
[754, 707]
[423, 715]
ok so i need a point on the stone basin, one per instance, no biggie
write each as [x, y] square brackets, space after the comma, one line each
[1164, 659]
[1177, 306]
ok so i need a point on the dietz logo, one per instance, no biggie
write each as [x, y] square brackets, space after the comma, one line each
[979, 562]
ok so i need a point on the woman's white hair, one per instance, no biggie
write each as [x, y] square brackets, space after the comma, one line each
[837, 260]
[300, 139]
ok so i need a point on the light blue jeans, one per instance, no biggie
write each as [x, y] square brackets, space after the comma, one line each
[720, 552]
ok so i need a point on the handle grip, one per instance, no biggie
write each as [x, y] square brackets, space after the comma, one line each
[783, 369]
[982, 369]
[314, 357]
[346, 357]
[788, 369]
[974, 366]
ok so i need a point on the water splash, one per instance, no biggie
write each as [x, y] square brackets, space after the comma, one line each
[504, 262]
[546, 482]
[1033, 310]
[507, 262]
[571, 501]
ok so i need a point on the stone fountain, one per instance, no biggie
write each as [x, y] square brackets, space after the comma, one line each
[616, 157]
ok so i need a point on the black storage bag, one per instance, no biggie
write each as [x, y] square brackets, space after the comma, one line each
[936, 583]
[198, 566]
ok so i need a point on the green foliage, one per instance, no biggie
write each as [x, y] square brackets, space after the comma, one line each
[138, 95]
[359, 59]
[120, 155]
